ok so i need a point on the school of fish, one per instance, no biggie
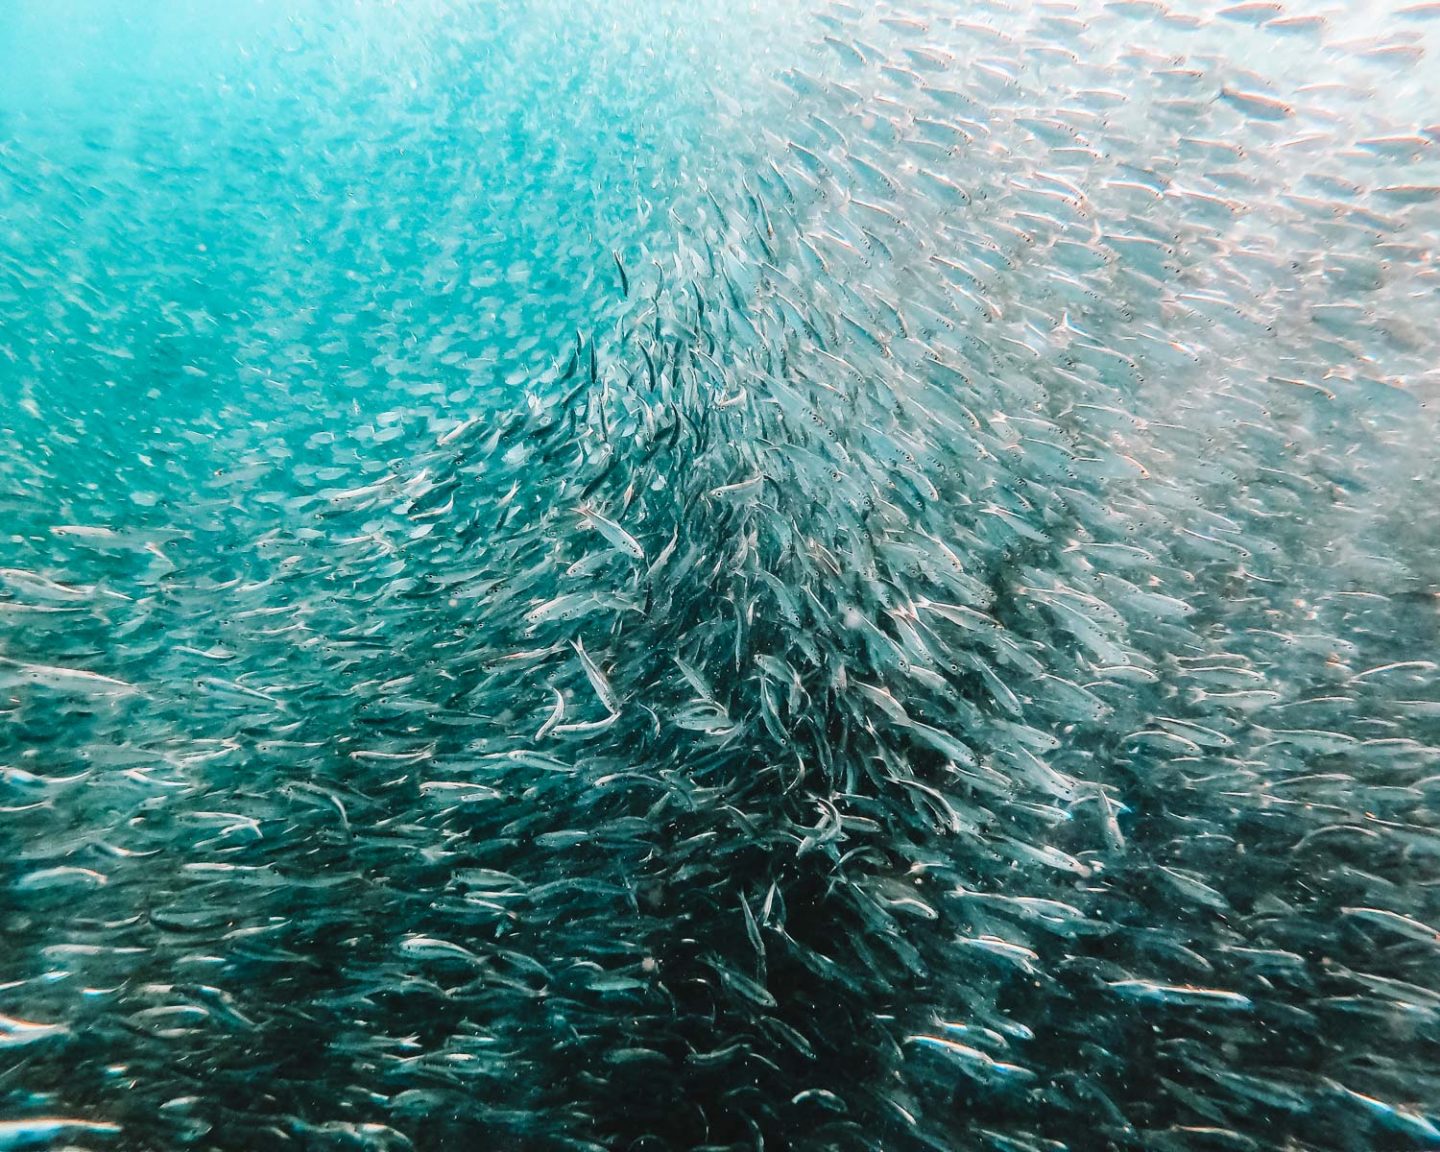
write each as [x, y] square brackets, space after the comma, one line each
[698, 576]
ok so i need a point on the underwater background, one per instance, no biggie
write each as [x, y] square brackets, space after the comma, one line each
[710, 575]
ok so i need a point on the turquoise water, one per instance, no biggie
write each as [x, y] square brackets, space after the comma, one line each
[699, 576]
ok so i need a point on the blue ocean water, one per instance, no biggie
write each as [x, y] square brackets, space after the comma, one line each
[665, 576]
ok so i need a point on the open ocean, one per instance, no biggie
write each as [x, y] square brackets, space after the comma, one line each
[655, 575]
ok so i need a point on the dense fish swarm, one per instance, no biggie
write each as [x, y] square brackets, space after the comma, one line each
[662, 576]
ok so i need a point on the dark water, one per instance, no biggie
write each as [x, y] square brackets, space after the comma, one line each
[673, 576]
